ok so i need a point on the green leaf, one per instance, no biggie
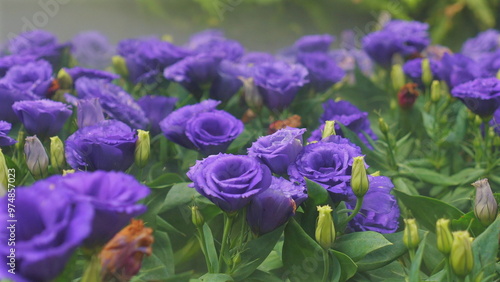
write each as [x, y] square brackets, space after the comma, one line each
[317, 195]
[468, 175]
[428, 210]
[485, 248]
[241, 141]
[262, 276]
[384, 255]
[211, 250]
[359, 244]
[164, 181]
[469, 222]
[92, 271]
[483, 12]
[161, 263]
[216, 277]
[347, 265]
[457, 134]
[371, 157]
[179, 195]
[417, 261]
[255, 252]
[428, 176]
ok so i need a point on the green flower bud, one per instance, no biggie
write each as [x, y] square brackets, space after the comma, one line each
[142, 148]
[329, 129]
[411, 238]
[359, 179]
[444, 237]
[3, 174]
[498, 74]
[325, 230]
[485, 205]
[376, 173]
[197, 217]
[478, 121]
[397, 77]
[435, 91]
[68, 171]
[426, 72]
[57, 159]
[120, 66]
[20, 140]
[64, 79]
[461, 258]
[383, 126]
[36, 157]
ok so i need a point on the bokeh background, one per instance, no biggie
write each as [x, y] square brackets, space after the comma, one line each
[258, 24]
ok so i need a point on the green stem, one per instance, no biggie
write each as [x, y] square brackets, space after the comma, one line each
[448, 269]
[359, 203]
[228, 222]
[201, 237]
[486, 146]
[390, 150]
[412, 254]
[326, 263]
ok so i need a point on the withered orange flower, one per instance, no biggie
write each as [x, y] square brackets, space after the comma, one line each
[407, 95]
[293, 121]
[122, 256]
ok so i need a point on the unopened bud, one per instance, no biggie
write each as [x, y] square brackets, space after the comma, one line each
[485, 205]
[325, 230]
[397, 77]
[376, 173]
[461, 258]
[498, 74]
[383, 126]
[426, 72]
[142, 148]
[251, 93]
[478, 121]
[443, 236]
[68, 171]
[57, 159]
[359, 179]
[120, 66]
[20, 140]
[411, 238]
[435, 91]
[329, 129]
[36, 157]
[3, 174]
[64, 79]
[197, 217]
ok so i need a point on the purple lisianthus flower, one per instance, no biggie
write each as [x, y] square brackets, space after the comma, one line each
[174, 125]
[147, 58]
[279, 149]
[280, 200]
[230, 181]
[323, 71]
[78, 72]
[212, 132]
[9, 95]
[38, 43]
[279, 82]
[381, 47]
[314, 43]
[481, 96]
[485, 42]
[228, 82]
[156, 109]
[51, 225]
[89, 112]
[213, 44]
[107, 145]
[113, 196]
[92, 49]
[115, 102]
[489, 64]
[328, 164]
[255, 58]
[456, 69]
[6, 62]
[44, 118]
[204, 36]
[33, 77]
[380, 210]
[413, 69]
[5, 140]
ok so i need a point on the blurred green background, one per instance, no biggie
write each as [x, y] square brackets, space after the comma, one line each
[258, 24]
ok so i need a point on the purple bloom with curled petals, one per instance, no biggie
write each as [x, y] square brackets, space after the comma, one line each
[92, 49]
[413, 69]
[174, 125]
[44, 118]
[228, 82]
[381, 47]
[33, 77]
[485, 42]
[314, 43]
[481, 96]
[107, 145]
[328, 164]
[9, 95]
[212, 132]
[323, 71]
[52, 225]
[255, 58]
[456, 69]
[78, 72]
[113, 196]
[38, 43]
[215, 44]
[279, 82]
[5, 140]
[280, 200]
[7, 62]
[115, 102]
[230, 181]
[156, 109]
[204, 36]
[89, 112]
[279, 149]
[489, 64]
[380, 210]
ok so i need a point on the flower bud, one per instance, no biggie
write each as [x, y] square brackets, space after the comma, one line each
[376, 173]
[20, 140]
[251, 93]
[383, 126]
[498, 74]
[426, 72]
[36, 157]
[68, 171]
[329, 129]
[197, 217]
[485, 205]
[142, 148]
[435, 91]
[397, 77]
[461, 258]
[120, 66]
[359, 179]
[89, 112]
[478, 121]
[3, 174]
[57, 159]
[325, 230]
[411, 238]
[64, 79]
[444, 237]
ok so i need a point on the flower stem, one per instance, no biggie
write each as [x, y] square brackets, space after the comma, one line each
[228, 222]
[326, 263]
[359, 203]
[201, 238]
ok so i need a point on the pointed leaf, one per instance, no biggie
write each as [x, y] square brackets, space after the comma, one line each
[359, 244]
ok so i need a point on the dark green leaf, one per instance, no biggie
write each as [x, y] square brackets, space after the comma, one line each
[428, 176]
[469, 222]
[210, 244]
[417, 261]
[165, 180]
[468, 175]
[347, 265]
[485, 248]
[161, 263]
[262, 276]
[385, 255]
[216, 277]
[359, 244]
[317, 195]
[179, 195]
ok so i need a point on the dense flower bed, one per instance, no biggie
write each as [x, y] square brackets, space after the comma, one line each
[249, 166]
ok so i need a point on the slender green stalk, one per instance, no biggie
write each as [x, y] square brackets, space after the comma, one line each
[449, 272]
[359, 203]
[228, 222]
[326, 263]
[201, 238]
